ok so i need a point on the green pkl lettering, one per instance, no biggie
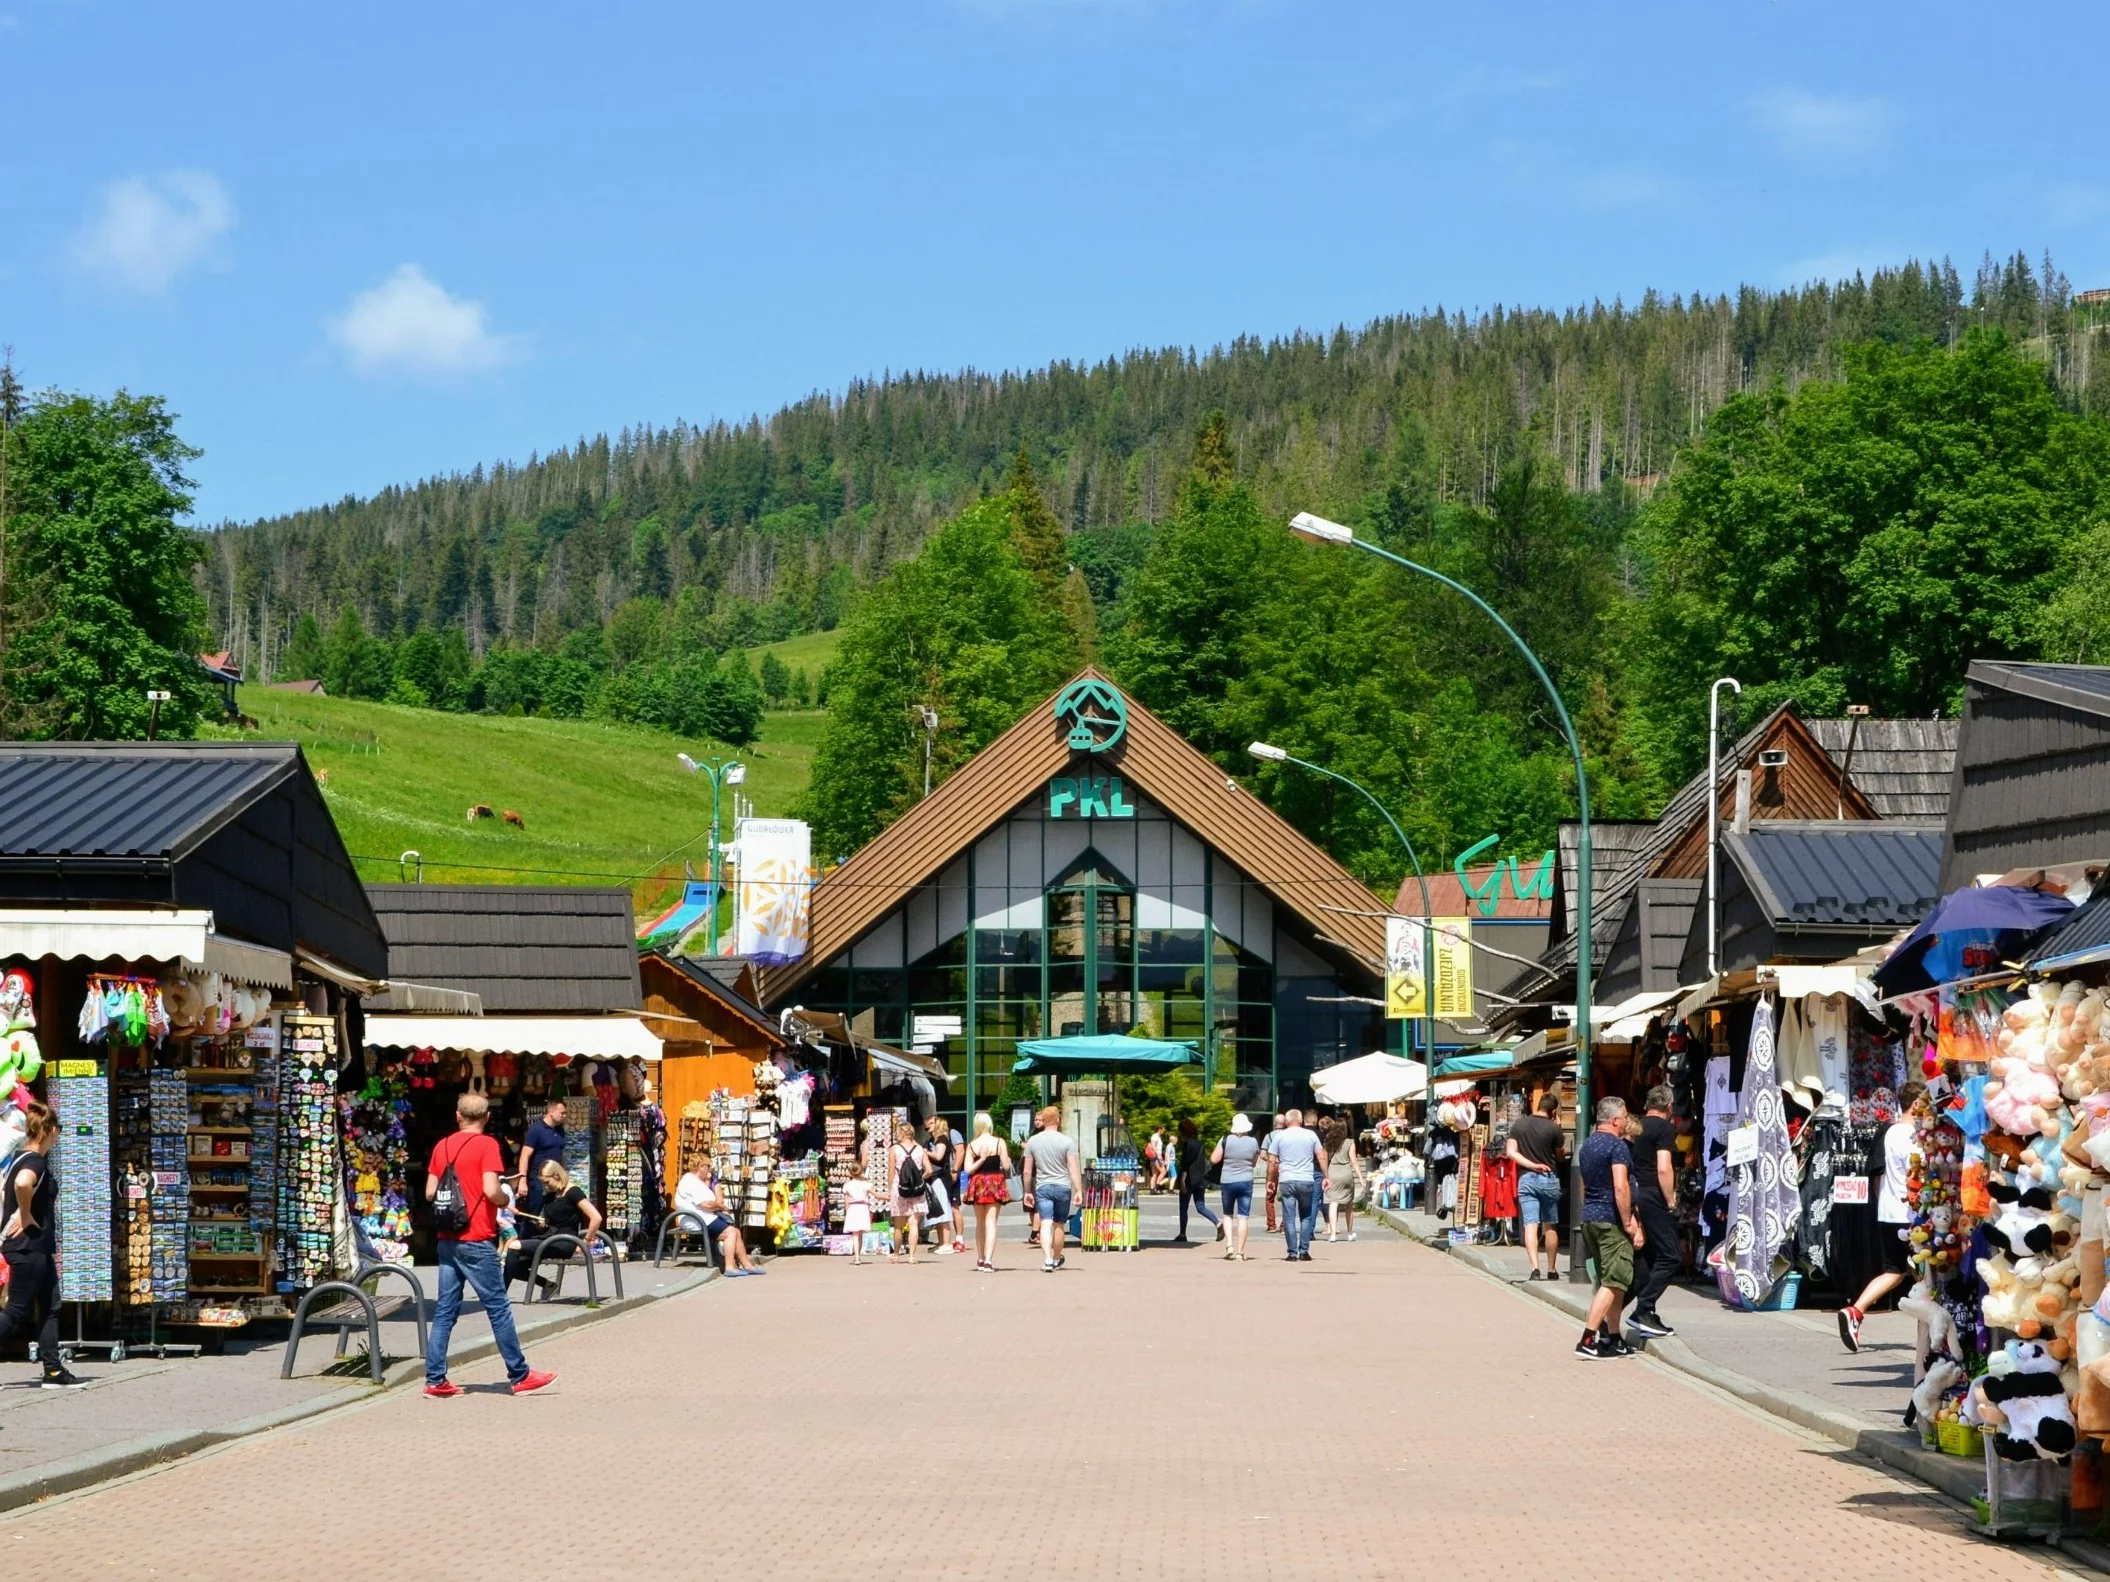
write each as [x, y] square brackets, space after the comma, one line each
[1116, 807]
[1091, 802]
[1061, 793]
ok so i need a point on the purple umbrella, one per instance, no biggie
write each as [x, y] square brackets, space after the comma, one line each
[2000, 915]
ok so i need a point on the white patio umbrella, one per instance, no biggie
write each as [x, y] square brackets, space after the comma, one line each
[1371, 1079]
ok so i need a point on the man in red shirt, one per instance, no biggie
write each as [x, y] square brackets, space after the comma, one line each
[473, 1256]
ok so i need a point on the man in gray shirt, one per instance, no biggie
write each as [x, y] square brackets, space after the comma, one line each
[1053, 1183]
[1296, 1163]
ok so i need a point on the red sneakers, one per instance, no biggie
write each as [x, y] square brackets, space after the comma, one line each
[445, 1390]
[534, 1382]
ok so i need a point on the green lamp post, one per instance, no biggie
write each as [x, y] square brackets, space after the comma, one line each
[723, 772]
[1318, 530]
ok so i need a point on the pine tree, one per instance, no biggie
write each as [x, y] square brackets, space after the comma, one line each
[303, 658]
[1035, 531]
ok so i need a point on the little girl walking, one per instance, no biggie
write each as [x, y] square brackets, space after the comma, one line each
[857, 1214]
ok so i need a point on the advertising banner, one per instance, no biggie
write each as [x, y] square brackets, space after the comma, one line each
[775, 857]
[1407, 972]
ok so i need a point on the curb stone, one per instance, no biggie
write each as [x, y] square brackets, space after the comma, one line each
[129, 1456]
[1960, 1479]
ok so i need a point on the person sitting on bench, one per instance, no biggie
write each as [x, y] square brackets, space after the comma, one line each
[699, 1201]
[566, 1211]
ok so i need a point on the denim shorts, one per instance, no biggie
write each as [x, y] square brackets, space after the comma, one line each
[1052, 1202]
[1539, 1196]
[1238, 1197]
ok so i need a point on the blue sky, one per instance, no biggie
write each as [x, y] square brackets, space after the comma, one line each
[358, 245]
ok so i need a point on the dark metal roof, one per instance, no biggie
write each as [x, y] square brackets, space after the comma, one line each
[129, 800]
[2084, 687]
[1853, 874]
[1903, 767]
[2086, 933]
[2033, 770]
[523, 948]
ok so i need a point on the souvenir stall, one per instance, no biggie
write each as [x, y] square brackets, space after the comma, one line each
[188, 992]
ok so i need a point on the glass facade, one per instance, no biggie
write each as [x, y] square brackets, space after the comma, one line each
[1058, 926]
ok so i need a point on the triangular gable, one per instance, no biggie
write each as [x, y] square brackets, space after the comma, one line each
[1301, 878]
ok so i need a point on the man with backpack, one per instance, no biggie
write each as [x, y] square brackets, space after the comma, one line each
[461, 1184]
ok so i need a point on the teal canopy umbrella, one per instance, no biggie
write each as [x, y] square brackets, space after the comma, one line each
[1107, 1054]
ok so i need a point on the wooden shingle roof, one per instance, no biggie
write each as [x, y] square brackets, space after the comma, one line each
[995, 781]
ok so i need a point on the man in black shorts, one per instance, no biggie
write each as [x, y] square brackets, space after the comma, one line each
[1893, 1217]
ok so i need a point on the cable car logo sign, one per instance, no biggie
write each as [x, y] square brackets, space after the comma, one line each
[1093, 714]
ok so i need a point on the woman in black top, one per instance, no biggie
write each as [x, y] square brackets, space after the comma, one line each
[566, 1211]
[30, 1245]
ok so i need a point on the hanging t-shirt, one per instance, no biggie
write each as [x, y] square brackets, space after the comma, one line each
[1795, 1053]
[1827, 1018]
[1718, 1112]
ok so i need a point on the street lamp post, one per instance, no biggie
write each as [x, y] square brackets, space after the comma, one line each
[1318, 530]
[723, 772]
[1276, 755]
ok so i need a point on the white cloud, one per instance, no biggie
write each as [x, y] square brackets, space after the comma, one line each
[1810, 123]
[146, 233]
[409, 323]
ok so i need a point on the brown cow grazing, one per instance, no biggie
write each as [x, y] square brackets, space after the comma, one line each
[481, 810]
[515, 820]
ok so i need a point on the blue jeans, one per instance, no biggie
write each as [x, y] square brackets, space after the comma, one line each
[1299, 1209]
[1539, 1196]
[1238, 1198]
[477, 1263]
[1195, 1189]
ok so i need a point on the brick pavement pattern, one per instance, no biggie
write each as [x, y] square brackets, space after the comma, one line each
[1379, 1412]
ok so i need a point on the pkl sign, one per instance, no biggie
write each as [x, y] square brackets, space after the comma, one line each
[1088, 796]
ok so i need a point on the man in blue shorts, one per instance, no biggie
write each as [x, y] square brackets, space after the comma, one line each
[1053, 1183]
[1536, 1144]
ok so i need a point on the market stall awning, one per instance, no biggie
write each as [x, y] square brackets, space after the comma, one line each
[1476, 1064]
[182, 938]
[1627, 1022]
[905, 1062]
[1106, 1054]
[594, 1037]
[1371, 1079]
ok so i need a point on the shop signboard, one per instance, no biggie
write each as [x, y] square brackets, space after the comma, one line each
[775, 885]
[1088, 796]
[1407, 972]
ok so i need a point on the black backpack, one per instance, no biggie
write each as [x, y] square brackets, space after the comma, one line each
[450, 1204]
[908, 1180]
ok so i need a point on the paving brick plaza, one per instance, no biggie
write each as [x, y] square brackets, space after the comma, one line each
[1380, 1412]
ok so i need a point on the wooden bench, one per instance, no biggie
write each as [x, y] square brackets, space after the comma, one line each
[352, 1307]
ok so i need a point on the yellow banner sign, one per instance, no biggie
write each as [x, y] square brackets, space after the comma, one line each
[1408, 943]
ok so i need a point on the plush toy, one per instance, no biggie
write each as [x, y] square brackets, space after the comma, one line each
[2021, 1101]
[2023, 1223]
[2023, 1397]
[2002, 1308]
[1941, 1327]
[1941, 1377]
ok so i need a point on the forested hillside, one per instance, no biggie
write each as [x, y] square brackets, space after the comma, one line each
[667, 545]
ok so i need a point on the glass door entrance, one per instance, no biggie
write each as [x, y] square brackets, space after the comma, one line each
[1091, 954]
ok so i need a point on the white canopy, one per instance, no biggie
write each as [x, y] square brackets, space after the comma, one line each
[184, 938]
[594, 1037]
[1371, 1079]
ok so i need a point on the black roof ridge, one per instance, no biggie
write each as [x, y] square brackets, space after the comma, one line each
[2013, 675]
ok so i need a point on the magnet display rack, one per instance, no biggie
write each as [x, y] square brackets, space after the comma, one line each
[230, 1223]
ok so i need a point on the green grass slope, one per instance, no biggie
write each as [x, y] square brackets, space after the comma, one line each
[810, 652]
[603, 804]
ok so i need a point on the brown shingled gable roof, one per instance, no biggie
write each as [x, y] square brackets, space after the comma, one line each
[991, 785]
